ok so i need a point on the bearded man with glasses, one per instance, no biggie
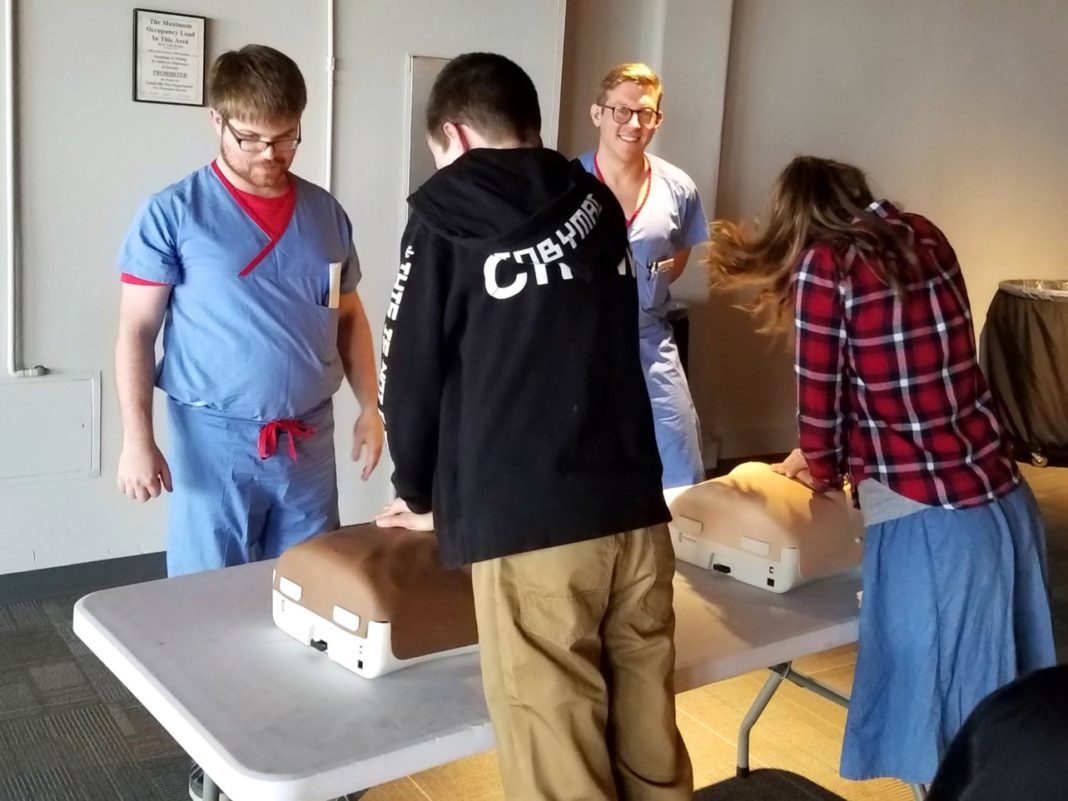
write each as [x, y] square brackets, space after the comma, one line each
[664, 221]
[251, 272]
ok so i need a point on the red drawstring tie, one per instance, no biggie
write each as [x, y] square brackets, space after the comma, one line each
[269, 436]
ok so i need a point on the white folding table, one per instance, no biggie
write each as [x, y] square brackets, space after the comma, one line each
[271, 720]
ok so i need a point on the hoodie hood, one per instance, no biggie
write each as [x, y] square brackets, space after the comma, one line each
[489, 195]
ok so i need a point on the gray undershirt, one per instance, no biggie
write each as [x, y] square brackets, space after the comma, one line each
[879, 503]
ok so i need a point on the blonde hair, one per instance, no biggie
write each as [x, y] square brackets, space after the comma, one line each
[640, 74]
[815, 201]
[257, 84]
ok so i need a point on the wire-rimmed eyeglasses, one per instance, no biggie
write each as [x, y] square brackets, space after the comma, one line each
[260, 145]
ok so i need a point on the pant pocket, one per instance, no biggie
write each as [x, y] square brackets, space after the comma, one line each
[563, 592]
[658, 557]
[562, 619]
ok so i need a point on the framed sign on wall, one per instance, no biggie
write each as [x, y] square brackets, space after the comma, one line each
[168, 58]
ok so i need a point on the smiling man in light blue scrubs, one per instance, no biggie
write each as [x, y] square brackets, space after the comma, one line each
[665, 220]
[252, 273]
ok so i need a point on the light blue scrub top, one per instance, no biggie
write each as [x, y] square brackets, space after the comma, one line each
[262, 346]
[671, 219]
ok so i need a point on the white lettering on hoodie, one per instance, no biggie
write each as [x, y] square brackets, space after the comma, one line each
[550, 250]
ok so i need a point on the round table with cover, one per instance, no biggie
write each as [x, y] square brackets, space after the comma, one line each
[1026, 339]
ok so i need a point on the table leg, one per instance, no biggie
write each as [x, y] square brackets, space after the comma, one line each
[211, 789]
[919, 791]
[778, 673]
[822, 690]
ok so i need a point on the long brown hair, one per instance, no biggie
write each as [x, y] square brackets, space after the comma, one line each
[814, 201]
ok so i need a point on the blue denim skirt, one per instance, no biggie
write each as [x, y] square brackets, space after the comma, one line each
[955, 605]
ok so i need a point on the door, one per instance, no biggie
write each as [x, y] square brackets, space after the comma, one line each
[387, 53]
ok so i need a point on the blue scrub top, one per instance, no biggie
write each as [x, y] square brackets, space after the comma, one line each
[671, 219]
[261, 346]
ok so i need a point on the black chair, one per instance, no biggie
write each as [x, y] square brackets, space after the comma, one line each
[1014, 745]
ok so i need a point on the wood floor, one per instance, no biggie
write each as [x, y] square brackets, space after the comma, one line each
[798, 732]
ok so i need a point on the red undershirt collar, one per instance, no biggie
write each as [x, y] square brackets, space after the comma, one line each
[271, 214]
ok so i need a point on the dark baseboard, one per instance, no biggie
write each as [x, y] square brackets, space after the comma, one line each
[724, 466]
[81, 579]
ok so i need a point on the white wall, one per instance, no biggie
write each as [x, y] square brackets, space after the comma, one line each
[956, 108]
[89, 155]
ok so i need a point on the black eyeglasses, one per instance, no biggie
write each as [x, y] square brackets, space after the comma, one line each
[647, 117]
[259, 145]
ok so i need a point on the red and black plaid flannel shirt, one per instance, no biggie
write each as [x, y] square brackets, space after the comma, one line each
[888, 383]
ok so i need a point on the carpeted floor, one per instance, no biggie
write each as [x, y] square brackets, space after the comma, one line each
[69, 731]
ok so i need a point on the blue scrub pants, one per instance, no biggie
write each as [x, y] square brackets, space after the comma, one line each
[678, 430]
[229, 506]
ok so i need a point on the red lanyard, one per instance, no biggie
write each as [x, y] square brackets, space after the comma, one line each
[646, 186]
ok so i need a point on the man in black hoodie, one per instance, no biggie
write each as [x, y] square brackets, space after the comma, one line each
[516, 410]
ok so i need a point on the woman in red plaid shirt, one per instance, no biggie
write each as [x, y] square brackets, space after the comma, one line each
[891, 398]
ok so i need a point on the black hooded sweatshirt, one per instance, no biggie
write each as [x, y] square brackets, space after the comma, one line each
[511, 386]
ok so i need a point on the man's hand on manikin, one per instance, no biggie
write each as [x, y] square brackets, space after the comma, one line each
[397, 515]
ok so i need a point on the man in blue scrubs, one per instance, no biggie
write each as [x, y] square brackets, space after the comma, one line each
[252, 273]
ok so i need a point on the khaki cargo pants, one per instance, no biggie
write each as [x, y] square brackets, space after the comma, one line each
[577, 666]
